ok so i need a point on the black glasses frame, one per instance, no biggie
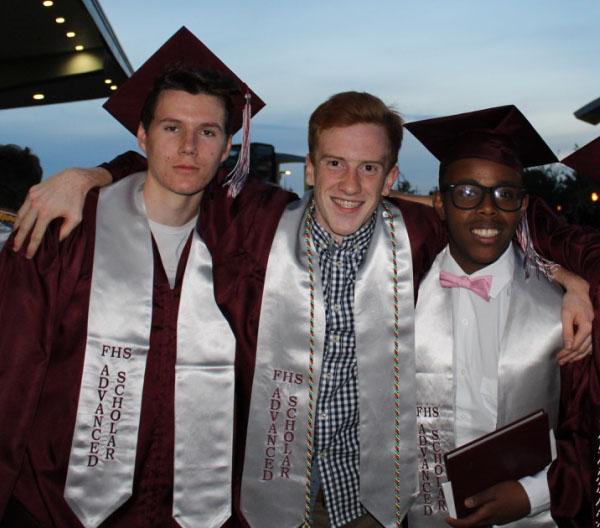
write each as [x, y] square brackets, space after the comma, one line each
[485, 190]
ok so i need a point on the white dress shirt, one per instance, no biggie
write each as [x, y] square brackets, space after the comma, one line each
[478, 326]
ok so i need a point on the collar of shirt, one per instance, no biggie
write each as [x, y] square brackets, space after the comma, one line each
[501, 270]
[354, 244]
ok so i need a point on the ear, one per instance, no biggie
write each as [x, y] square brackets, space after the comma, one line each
[225, 154]
[390, 179]
[309, 171]
[439, 206]
[141, 137]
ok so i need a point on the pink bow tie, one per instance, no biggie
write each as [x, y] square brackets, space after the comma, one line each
[478, 285]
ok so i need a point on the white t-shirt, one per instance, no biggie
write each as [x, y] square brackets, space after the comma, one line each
[171, 241]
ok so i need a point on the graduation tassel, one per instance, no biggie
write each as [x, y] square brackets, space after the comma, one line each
[532, 259]
[237, 177]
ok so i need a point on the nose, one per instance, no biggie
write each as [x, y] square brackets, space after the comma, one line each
[487, 206]
[350, 182]
[189, 143]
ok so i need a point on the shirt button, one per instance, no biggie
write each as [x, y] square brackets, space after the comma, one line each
[338, 264]
[336, 308]
[335, 338]
[465, 322]
[463, 371]
[323, 455]
[327, 375]
[323, 416]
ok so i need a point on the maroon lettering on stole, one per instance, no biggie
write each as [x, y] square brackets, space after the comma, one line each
[112, 400]
[280, 436]
[430, 462]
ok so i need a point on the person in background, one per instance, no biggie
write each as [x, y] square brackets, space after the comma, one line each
[19, 170]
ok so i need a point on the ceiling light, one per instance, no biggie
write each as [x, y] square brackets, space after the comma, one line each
[47, 3]
[70, 34]
[107, 81]
[113, 87]
[59, 20]
[79, 47]
[38, 96]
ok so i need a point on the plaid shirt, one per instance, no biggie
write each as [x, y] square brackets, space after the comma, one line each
[337, 421]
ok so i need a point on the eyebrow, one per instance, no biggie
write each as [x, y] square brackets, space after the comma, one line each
[210, 124]
[332, 156]
[503, 183]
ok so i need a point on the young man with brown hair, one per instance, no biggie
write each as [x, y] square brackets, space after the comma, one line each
[112, 413]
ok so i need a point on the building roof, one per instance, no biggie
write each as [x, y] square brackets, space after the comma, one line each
[42, 64]
[590, 113]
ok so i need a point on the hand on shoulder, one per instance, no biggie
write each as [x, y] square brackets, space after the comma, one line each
[60, 196]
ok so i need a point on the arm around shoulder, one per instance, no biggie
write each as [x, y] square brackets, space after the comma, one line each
[574, 247]
[63, 195]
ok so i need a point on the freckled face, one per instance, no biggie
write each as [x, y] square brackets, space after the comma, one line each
[185, 142]
[479, 236]
[350, 173]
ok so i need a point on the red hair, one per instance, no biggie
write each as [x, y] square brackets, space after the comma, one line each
[353, 108]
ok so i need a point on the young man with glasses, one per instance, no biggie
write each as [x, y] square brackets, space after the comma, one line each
[487, 333]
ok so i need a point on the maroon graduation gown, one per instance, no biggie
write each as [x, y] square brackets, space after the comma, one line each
[239, 234]
[43, 309]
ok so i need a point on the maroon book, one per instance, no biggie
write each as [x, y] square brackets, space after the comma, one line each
[514, 451]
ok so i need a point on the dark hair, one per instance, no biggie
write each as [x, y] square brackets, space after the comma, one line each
[194, 81]
[19, 170]
[353, 108]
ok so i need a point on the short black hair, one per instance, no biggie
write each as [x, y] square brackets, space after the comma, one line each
[192, 80]
[19, 170]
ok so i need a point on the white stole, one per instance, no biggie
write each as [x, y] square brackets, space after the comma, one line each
[528, 378]
[103, 453]
[277, 462]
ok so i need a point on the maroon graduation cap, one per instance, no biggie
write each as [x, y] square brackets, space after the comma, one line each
[182, 48]
[586, 160]
[501, 134]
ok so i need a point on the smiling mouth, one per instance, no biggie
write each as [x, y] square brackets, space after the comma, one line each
[346, 204]
[485, 233]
